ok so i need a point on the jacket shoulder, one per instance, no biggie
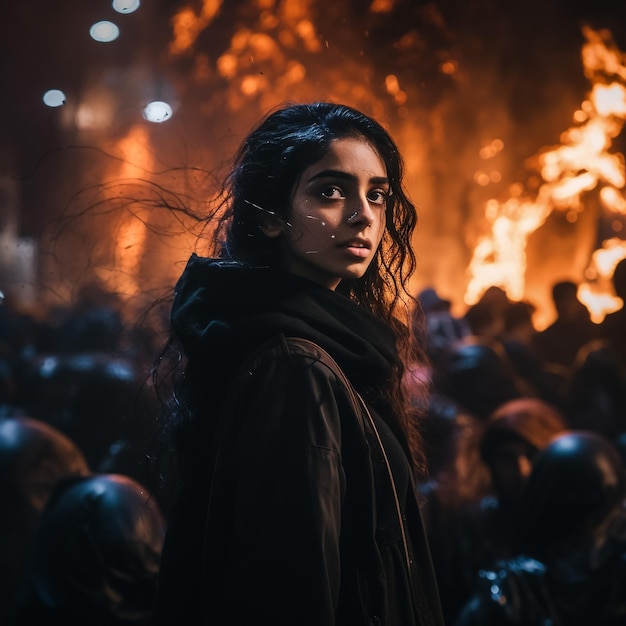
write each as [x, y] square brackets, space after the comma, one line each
[294, 347]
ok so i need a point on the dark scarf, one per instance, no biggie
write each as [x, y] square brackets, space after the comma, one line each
[222, 311]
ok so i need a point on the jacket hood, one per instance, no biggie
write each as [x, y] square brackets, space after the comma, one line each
[226, 309]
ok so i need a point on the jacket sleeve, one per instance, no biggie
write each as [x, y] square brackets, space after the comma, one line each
[274, 526]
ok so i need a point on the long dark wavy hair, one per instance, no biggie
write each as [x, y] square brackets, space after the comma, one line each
[266, 169]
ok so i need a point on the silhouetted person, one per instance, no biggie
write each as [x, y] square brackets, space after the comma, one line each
[570, 566]
[486, 317]
[97, 555]
[595, 396]
[458, 477]
[486, 528]
[34, 457]
[513, 436]
[478, 376]
[613, 328]
[560, 342]
[441, 327]
[452, 445]
[518, 323]
[517, 339]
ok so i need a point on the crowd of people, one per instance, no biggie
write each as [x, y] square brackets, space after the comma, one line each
[81, 525]
[526, 432]
[519, 478]
[498, 402]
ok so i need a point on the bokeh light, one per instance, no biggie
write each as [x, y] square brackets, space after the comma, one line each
[126, 6]
[157, 111]
[104, 31]
[54, 98]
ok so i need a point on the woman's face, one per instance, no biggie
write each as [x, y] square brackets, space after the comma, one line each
[337, 216]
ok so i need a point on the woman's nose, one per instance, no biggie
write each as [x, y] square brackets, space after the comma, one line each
[360, 212]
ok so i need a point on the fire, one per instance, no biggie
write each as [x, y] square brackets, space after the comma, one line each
[497, 259]
[581, 164]
[286, 50]
[130, 239]
[187, 25]
[599, 300]
[275, 57]
[259, 61]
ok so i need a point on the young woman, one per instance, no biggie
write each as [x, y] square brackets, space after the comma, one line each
[297, 452]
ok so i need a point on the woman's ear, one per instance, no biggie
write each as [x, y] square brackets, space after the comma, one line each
[271, 226]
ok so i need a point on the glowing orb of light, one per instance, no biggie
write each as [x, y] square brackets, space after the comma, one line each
[104, 31]
[157, 111]
[54, 98]
[126, 6]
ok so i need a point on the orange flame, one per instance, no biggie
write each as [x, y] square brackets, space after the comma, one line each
[596, 295]
[187, 25]
[259, 62]
[579, 165]
[130, 240]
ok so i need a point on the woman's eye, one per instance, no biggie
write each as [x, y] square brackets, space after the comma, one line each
[332, 193]
[378, 196]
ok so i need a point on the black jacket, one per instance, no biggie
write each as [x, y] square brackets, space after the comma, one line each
[291, 515]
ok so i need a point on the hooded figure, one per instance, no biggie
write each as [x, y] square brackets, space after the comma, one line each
[478, 376]
[97, 555]
[298, 447]
[227, 310]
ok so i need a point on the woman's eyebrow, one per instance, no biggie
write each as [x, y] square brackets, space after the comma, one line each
[375, 180]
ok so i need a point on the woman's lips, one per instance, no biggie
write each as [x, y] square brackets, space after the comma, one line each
[359, 251]
[357, 247]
